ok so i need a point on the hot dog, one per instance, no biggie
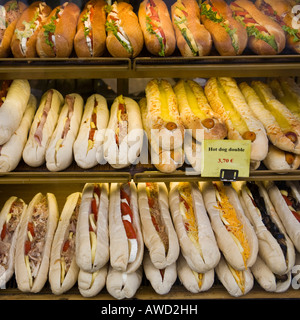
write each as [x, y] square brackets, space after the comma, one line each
[63, 270]
[10, 218]
[275, 247]
[228, 101]
[196, 237]
[236, 282]
[14, 96]
[166, 161]
[37, 228]
[88, 146]
[196, 113]
[124, 34]
[235, 236]
[287, 121]
[161, 280]
[193, 281]
[268, 280]
[265, 35]
[272, 121]
[9, 13]
[23, 43]
[158, 231]
[229, 36]
[59, 154]
[157, 27]
[90, 36]
[121, 285]
[278, 159]
[191, 36]
[282, 12]
[11, 151]
[163, 115]
[126, 240]
[286, 199]
[91, 283]
[92, 239]
[54, 39]
[124, 134]
[42, 128]
[287, 92]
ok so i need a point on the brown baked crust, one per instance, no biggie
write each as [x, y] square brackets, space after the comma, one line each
[9, 32]
[201, 36]
[151, 41]
[28, 16]
[63, 36]
[130, 24]
[221, 38]
[98, 31]
[274, 29]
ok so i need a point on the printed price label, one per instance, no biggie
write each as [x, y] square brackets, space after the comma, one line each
[220, 155]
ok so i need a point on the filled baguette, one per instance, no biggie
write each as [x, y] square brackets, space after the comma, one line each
[192, 38]
[124, 34]
[11, 151]
[229, 36]
[285, 197]
[37, 228]
[59, 154]
[275, 247]
[158, 231]
[63, 270]
[10, 217]
[265, 36]
[88, 146]
[42, 128]
[54, 39]
[195, 235]
[23, 43]
[235, 236]
[92, 238]
[14, 96]
[196, 113]
[228, 101]
[157, 27]
[10, 13]
[124, 133]
[90, 35]
[125, 234]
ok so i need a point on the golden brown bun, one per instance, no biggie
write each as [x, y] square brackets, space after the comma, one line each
[221, 38]
[63, 36]
[151, 41]
[27, 16]
[130, 24]
[201, 36]
[9, 31]
[98, 18]
[274, 29]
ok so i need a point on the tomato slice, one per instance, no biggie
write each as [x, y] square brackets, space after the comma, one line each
[66, 246]
[3, 232]
[296, 215]
[151, 202]
[27, 246]
[125, 209]
[124, 195]
[30, 228]
[130, 232]
[287, 200]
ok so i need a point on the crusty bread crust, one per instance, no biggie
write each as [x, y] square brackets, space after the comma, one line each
[98, 31]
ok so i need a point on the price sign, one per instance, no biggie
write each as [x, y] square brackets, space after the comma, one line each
[223, 155]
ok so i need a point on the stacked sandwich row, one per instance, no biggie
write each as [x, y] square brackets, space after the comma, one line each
[169, 121]
[111, 234]
[266, 27]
